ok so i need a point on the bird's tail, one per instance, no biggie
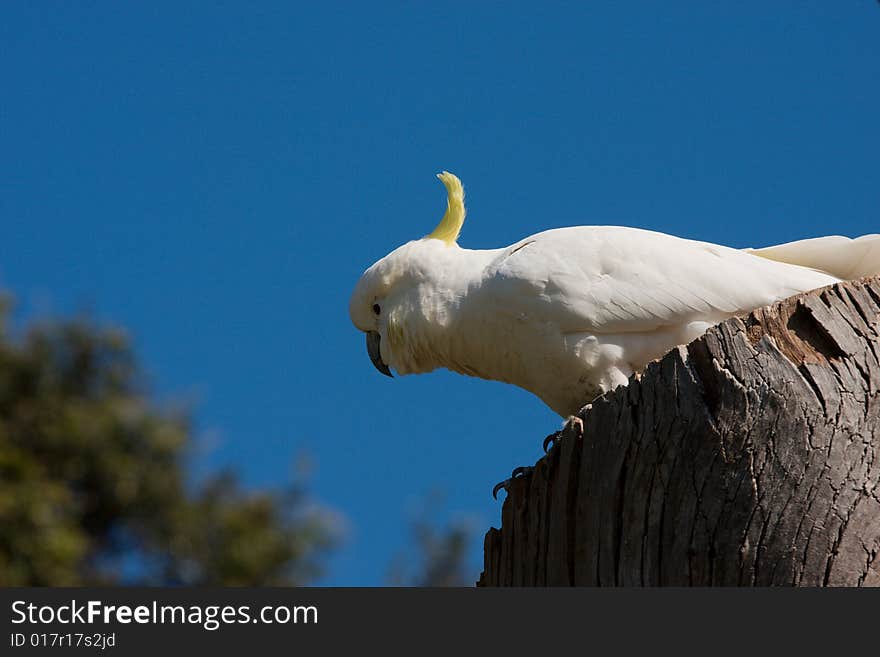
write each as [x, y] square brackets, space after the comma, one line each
[841, 257]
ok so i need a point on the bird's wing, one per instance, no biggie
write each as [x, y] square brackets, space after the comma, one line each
[606, 279]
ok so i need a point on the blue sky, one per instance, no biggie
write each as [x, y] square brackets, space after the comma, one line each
[215, 177]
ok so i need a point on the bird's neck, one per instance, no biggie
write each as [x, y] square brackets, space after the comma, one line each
[457, 325]
[435, 329]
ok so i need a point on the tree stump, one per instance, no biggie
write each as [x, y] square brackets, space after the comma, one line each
[750, 457]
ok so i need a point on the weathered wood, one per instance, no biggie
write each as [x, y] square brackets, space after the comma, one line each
[749, 457]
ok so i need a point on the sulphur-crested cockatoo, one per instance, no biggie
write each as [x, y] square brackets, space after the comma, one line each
[571, 313]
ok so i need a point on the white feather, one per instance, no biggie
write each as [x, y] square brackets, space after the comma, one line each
[576, 311]
[573, 312]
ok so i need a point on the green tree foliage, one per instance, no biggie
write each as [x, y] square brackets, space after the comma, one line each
[93, 486]
[439, 554]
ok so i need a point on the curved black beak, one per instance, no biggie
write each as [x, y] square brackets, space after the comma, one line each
[373, 340]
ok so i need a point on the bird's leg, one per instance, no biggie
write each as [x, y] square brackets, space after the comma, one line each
[521, 471]
[572, 423]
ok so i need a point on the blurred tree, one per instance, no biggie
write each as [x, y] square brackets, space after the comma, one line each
[93, 488]
[439, 554]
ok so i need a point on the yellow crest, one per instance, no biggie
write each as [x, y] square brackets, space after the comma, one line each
[450, 225]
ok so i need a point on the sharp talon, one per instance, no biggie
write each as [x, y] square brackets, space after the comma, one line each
[550, 442]
[521, 471]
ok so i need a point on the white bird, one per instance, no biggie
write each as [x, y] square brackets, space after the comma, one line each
[571, 313]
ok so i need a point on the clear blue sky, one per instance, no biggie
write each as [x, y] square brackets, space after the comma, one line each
[216, 177]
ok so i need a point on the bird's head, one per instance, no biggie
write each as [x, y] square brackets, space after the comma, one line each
[400, 292]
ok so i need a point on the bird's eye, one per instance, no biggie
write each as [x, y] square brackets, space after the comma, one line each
[376, 308]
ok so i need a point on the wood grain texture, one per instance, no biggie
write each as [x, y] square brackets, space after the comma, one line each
[750, 457]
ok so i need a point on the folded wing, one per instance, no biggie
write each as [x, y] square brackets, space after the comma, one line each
[608, 279]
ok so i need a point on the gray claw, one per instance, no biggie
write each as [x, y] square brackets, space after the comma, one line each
[550, 441]
[521, 471]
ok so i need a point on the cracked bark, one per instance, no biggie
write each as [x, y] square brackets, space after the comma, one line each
[748, 457]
